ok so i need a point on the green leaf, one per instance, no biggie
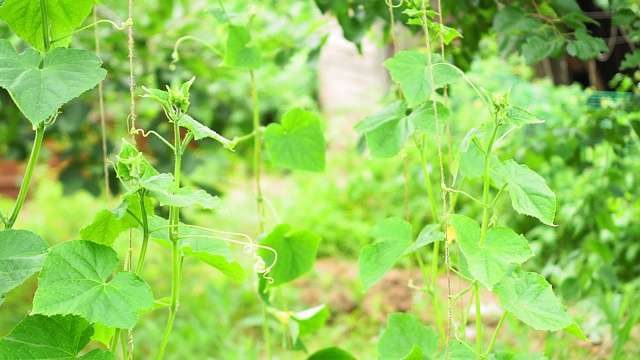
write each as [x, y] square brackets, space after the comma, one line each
[519, 116]
[623, 17]
[457, 351]
[104, 228]
[186, 197]
[240, 52]
[529, 297]
[529, 193]
[39, 91]
[103, 334]
[132, 166]
[404, 333]
[410, 70]
[57, 337]
[298, 143]
[393, 238]
[586, 46]
[213, 252]
[488, 262]
[311, 320]
[75, 280]
[388, 129]
[331, 353]
[631, 60]
[296, 253]
[511, 356]
[21, 254]
[24, 17]
[537, 48]
[428, 235]
[200, 131]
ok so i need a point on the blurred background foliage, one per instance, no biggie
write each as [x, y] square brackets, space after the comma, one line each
[588, 150]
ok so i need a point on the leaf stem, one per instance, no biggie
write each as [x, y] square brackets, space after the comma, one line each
[46, 41]
[476, 295]
[257, 151]
[495, 334]
[174, 221]
[122, 26]
[145, 231]
[24, 188]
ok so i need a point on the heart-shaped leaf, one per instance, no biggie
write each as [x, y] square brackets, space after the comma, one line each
[240, 52]
[39, 88]
[21, 254]
[331, 353]
[403, 335]
[75, 280]
[488, 261]
[298, 143]
[296, 253]
[57, 337]
[24, 17]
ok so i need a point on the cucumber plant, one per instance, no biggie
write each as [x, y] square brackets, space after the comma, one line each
[484, 252]
[81, 294]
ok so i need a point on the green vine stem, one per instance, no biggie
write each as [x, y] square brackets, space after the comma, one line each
[495, 333]
[24, 188]
[120, 27]
[174, 236]
[145, 231]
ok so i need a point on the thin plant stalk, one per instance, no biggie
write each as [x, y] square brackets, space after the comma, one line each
[174, 236]
[145, 231]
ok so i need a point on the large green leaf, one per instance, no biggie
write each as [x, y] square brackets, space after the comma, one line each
[75, 280]
[21, 254]
[410, 70]
[186, 197]
[331, 353]
[519, 116]
[39, 90]
[529, 297]
[104, 228]
[388, 129]
[393, 238]
[296, 253]
[241, 53]
[529, 193]
[488, 262]
[57, 337]
[404, 333]
[298, 143]
[25, 19]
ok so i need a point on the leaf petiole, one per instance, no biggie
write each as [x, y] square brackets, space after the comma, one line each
[120, 27]
[467, 195]
[495, 334]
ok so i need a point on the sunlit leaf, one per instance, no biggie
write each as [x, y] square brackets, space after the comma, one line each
[21, 254]
[403, 335]
[529, 192]
[39, 337]
[298, 143]
[40, 90]
[240, 52]
[76, 278]
[392, 239]
[24, 17]
[488, 262]
[529, 297]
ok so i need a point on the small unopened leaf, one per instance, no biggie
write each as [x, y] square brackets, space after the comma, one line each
[296, 253]
[488, 262]
[403, 335]
[21, 254]
[39, 337]
[529, 297]
[39, 90]
[529, 192]
[24, 17]
[240, 52]
[298, 143]
[331, 353]
[75, 280]
[311, 320]
[392, 239]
